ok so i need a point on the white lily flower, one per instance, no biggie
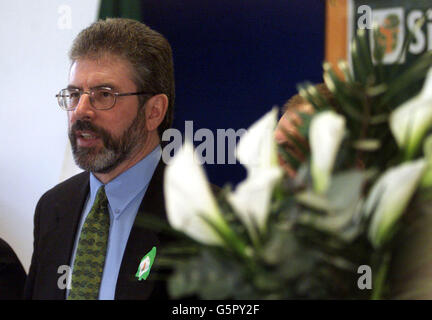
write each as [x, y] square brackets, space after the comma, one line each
[189, 199]
[390, 196]
[326, 132]
[257, 148]
[257, 151]
[251, 199]
[410, 121]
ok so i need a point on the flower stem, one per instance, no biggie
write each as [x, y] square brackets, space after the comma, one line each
[380, 279]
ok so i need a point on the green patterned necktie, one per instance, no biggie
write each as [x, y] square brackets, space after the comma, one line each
[90, 256]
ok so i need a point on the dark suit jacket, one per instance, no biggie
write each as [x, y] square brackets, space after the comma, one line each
[12, 274]
[56, 220]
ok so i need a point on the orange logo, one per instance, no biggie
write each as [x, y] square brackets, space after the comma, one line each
[388, 33]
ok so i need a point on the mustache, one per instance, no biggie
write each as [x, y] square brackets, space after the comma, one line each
[81, 125]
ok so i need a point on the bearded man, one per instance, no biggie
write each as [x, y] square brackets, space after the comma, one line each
[119, 100]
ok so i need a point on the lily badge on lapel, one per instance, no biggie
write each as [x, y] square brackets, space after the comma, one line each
[145, 265]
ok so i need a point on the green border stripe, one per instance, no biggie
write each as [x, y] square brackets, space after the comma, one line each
[120, 9]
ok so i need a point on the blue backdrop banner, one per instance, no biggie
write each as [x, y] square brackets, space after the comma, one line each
[235, 59]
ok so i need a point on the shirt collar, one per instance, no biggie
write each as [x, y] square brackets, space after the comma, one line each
[125, 187]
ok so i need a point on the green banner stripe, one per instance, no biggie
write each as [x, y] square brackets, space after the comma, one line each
[120, 9]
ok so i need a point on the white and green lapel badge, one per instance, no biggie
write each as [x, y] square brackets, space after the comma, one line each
[146, 264]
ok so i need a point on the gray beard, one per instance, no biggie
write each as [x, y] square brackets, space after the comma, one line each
[98, 162]
[114, 151]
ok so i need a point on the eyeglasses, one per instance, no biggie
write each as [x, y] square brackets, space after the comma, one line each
[102, 98]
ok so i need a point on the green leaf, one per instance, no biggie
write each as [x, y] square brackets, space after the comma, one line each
[344, 68]
[218, 277]
[348, 103]
[367, 145]
[186, 279]
[364, 53]
[416, 72]
[312, 96]
[314, 201]
[342, 197]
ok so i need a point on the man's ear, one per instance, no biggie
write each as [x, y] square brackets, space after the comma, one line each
[155, 110]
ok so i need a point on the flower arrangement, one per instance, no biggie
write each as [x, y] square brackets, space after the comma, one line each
[353, 221]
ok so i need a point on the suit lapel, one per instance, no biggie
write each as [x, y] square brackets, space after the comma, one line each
[141, 241]
[67, 212]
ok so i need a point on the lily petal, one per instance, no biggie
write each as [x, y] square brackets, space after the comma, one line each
[390, 196]
[189, 200]
[251, 199]
[257, 147]
[326, 132]
[410, 121]
[257, 151]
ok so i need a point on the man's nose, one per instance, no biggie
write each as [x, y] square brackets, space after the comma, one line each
[84, 108]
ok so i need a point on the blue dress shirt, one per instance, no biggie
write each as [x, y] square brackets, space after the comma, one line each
[125, 194]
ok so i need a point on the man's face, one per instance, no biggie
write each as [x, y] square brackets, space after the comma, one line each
[102, 139]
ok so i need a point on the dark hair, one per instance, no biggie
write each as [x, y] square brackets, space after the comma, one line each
[146, 50]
